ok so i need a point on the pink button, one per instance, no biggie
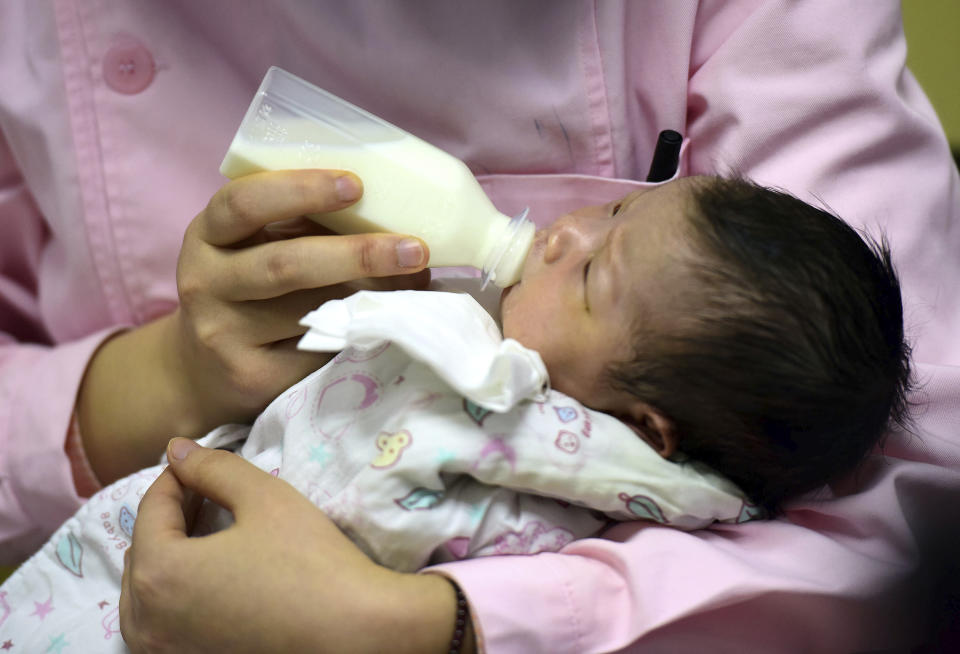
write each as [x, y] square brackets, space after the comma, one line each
[128, 66]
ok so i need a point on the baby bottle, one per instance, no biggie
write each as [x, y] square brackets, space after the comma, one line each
[410, 186]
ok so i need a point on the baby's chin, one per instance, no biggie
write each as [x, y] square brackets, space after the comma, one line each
[506, 302]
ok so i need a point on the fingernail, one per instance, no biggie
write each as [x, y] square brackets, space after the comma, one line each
[181, 447]
[409, 253]
[348, 189]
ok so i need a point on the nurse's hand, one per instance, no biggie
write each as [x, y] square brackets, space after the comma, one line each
[249, 268]
[282, 578]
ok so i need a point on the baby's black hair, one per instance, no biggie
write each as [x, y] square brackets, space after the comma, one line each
[792, 363]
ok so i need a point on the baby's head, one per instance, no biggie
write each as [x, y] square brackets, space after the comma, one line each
[736, 324]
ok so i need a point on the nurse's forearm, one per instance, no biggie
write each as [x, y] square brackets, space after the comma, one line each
[132, 401]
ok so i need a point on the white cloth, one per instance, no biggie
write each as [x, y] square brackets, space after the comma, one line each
[442, 443]
[448, 332]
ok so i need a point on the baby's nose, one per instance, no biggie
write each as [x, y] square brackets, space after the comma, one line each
[561, 237]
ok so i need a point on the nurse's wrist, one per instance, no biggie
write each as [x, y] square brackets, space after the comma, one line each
[423, 613]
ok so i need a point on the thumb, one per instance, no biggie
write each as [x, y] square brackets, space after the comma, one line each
[222, 477]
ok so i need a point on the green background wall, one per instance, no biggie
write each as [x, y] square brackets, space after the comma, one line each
[933, 54]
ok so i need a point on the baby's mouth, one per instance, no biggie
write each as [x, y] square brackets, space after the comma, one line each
[535, 254]
[539, 241]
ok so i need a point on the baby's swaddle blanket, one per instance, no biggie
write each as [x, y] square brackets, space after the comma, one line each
[448, 443]
[442, 442]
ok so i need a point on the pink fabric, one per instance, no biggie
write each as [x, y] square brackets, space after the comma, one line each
[102, 165]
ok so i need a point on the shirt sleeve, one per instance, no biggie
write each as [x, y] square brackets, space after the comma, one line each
[811, 97]
[814, 97]
[38, 382]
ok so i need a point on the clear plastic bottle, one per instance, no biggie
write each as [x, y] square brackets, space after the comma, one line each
[410, 186]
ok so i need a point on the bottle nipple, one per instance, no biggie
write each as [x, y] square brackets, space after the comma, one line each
[504, 263]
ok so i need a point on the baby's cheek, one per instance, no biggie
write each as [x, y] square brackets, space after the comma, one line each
[519, 324]
[579, 384]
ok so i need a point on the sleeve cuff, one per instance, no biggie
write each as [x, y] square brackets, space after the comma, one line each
[84, 479]
[507, 595]
[38, 390]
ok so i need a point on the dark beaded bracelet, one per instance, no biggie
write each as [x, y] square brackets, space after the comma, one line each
[460, 626]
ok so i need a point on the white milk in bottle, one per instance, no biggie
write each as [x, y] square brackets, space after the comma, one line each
[409, 186]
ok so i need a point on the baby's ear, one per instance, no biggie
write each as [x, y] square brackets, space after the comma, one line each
[653, 426]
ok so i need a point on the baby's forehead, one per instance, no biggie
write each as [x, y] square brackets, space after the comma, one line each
[663, 209]
[657, 251]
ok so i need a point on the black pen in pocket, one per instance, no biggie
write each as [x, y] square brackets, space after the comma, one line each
[666, 156]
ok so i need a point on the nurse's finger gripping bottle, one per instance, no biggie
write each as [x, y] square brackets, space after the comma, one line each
[410, 186]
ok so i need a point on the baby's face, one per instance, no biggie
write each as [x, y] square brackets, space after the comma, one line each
[590, 277]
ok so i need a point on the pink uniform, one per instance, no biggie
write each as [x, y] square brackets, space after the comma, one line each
[115, 116]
